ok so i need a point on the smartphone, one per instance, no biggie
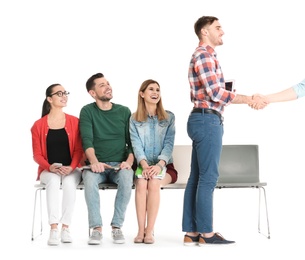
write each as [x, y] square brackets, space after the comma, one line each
[58, 165]
[116, 167]
[230, 84]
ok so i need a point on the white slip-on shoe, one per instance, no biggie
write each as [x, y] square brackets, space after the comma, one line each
[53, 238]
[65, 236]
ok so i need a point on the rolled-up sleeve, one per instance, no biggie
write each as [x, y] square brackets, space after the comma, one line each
[300, 89]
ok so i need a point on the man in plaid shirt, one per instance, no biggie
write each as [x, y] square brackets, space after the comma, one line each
[205, 128]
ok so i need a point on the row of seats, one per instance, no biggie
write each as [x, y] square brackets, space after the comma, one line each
[239, 168]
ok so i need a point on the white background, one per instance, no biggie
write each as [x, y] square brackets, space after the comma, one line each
[46, 42]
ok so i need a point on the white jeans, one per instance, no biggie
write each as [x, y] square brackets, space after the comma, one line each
[69, 184]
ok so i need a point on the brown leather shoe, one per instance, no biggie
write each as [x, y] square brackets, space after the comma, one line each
[190, 240]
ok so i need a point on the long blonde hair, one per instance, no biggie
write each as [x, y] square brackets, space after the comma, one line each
[141, 113]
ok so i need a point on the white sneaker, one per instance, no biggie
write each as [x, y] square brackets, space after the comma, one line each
[95, 238]
[65, 236]
[53, 239]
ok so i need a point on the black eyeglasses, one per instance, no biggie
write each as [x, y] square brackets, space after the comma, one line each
[60, 93]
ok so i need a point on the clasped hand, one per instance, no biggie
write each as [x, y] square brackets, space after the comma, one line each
[62, 170]
[150, 171]
[258, 102]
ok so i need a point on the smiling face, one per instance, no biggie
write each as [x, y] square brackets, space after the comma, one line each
[212, 34]
[102, 90]
[151, 94]
[58, 97]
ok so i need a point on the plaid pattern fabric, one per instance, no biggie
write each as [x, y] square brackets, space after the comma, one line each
[207, 85]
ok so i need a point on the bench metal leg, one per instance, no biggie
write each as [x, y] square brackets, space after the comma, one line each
[266, 212]
[34, 213]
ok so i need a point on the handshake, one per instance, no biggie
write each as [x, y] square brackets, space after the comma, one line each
[258, 101]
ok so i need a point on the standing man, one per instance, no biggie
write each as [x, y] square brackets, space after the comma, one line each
[104, 128]
[205, 128]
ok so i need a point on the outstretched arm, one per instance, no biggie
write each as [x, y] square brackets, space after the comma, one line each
[285, 95]
[292, 93]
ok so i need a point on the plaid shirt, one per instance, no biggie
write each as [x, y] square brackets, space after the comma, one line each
[207, 85]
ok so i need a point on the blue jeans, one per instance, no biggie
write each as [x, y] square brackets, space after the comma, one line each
[206, 131]
[124, 180]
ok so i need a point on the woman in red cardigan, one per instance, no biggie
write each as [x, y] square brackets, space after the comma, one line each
[57, 149]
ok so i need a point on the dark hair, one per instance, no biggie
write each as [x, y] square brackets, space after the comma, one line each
[141, 113]
[46, 107]
[90, 82]
[202, 22]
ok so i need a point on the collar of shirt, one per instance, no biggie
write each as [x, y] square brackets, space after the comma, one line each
[208, 48]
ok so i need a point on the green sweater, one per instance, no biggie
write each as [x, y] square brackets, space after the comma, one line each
[106, 131]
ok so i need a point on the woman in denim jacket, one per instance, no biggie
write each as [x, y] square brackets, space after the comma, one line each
[152, 134]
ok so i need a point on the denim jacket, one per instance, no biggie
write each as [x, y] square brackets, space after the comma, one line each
[153, 140]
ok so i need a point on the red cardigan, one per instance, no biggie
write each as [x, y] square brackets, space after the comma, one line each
[39, 132]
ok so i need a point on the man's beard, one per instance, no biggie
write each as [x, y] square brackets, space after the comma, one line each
[104, 98]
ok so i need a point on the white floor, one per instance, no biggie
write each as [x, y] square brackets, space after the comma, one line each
[235, 217]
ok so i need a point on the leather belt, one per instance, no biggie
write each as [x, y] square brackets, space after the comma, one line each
[207, 111]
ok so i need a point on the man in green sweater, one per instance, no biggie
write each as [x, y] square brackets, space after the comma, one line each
[104, 128]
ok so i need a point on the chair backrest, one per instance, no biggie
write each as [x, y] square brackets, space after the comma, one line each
[239, 164]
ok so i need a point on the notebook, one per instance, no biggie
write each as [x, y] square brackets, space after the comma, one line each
[160, 176]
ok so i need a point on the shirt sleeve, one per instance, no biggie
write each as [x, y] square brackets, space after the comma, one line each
[205, 67]
[169, 139]
[300, 89]
[137, 145]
